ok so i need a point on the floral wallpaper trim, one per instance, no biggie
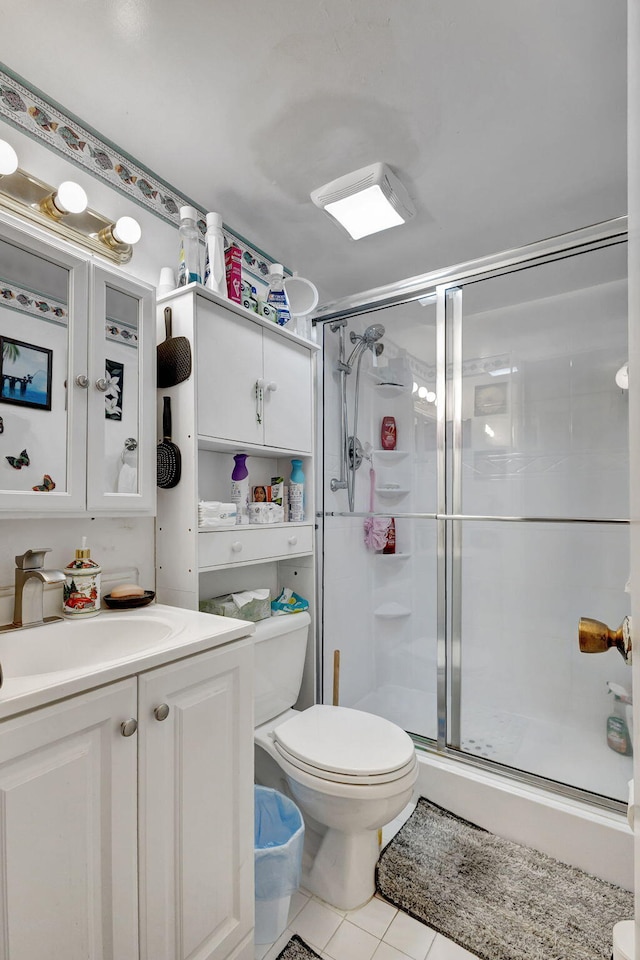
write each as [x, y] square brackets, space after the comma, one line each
[26, 301]
[29, 110]
[121, 333]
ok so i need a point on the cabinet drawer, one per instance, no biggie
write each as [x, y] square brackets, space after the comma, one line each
[250, 544]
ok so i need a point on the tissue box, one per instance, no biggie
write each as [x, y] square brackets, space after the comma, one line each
[249, 605]
[265, 513]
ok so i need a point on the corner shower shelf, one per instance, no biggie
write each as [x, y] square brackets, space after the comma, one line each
[390, 456]
[391, 493]
[390, 390]
[392, 611]
[393, 556]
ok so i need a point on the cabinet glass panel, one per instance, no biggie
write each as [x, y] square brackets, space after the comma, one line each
[121, 393]
[545, 420]
[34, 377]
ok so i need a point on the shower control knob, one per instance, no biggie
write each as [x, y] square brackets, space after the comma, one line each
[594, 636]
[161, 712]
[129, 727]
[236, 546]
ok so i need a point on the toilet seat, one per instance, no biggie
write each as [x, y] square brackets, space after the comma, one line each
[345, 746]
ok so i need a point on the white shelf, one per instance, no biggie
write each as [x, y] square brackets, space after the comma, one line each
[387, 493]
[393, 556]
[392, 611]
[241, 527]
[218, 445]
[390, 456]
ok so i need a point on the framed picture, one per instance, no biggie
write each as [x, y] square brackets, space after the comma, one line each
[25, 374]
[489, 399]
[114, 375]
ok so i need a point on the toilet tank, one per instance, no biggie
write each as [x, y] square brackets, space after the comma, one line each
[280, 645]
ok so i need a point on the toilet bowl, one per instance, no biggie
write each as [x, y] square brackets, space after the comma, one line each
[350, 772]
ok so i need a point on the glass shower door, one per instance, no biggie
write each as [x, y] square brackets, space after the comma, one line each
[539, 477]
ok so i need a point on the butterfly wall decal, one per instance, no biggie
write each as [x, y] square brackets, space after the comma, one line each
[19, 462]
[46, 485]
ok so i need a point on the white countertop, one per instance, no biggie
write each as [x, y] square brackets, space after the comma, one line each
[189, 632]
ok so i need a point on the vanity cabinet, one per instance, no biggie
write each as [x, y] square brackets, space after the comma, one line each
[100, 820]
[77, 371]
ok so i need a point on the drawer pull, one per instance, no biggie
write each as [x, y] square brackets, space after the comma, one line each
[272, 386]
[82, 380]
[161, 712]
[292, 541]
[129, 727]
[236, 546]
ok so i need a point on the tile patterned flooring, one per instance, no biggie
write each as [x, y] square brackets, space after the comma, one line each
[376, 931]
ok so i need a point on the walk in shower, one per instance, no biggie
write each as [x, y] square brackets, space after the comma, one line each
[509, 491]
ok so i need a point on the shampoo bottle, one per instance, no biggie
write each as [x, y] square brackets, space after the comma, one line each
[296, 492]
[189, 261]
[215, 271]
[240, 488]
[277, 295]
[81, 591]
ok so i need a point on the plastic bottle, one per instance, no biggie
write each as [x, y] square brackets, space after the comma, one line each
[388, 433]
[296, 492]
[189, 262]
[81, 591]
[215, 274]
[240, 488]
[390, 545]
[277, 295]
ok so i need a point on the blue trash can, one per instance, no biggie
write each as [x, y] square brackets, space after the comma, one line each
[279, 838]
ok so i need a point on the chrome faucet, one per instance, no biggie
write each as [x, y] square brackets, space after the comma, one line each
[28, 610]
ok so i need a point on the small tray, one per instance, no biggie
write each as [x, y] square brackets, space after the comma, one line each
[129, 603]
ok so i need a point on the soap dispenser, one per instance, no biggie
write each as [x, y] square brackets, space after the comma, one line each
[81, 591]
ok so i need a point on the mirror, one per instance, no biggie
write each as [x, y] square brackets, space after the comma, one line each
[121, 393]
[34, 350]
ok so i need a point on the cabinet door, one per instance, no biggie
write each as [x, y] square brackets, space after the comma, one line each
[68, 885]
[43, 348]
[121, 467]
[288, 397]
[229, 356]
[196, 806]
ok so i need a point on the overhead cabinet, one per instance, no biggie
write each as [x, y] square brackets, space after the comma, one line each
[76, 383]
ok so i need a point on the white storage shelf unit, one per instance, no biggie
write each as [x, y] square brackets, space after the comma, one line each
[217, 413]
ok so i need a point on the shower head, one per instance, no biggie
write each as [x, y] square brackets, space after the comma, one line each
[367, 340]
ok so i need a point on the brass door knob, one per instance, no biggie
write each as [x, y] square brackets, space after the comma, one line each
[594, 636]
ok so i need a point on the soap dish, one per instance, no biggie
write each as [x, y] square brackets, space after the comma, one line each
[129, 603]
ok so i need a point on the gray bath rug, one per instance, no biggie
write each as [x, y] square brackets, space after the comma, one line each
[297, 949]
[496, 898]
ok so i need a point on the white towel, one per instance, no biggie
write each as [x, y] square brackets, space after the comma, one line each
[128, 479]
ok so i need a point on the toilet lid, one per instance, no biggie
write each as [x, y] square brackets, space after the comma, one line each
[345, 741]
[350, 778]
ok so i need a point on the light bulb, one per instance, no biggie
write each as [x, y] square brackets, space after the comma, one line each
[8, 159]
[126, 230]
[422, 393]
[70, 197]
[414, 388]
[430, 396]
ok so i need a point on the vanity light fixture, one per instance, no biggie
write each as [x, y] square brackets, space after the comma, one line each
[63, 211]
[124, 232]
[366, 201]
[8, 159]
[68, 198]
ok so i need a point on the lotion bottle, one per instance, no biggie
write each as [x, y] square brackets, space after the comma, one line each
[240, 488]
[81, 590]
[296, 492]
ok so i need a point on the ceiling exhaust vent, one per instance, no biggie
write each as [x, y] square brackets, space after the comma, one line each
[365, 201]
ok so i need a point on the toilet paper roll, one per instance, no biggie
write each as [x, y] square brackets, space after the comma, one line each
[630, 816]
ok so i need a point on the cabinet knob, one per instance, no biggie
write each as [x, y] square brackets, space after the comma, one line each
[292, 541]
[129, 727]
[161, 712]
[272, 386]
[82, 380]
[101, 384]
[236, 546]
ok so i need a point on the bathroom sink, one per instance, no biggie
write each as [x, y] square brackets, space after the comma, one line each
[69, 646]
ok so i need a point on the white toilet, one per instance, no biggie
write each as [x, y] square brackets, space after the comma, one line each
[350, 772]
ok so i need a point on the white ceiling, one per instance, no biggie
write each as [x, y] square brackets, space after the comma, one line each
[505, 119]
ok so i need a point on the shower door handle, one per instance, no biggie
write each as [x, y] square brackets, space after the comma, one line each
[594, 636]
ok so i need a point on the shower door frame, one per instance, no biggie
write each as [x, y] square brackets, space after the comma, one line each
[446, 288]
